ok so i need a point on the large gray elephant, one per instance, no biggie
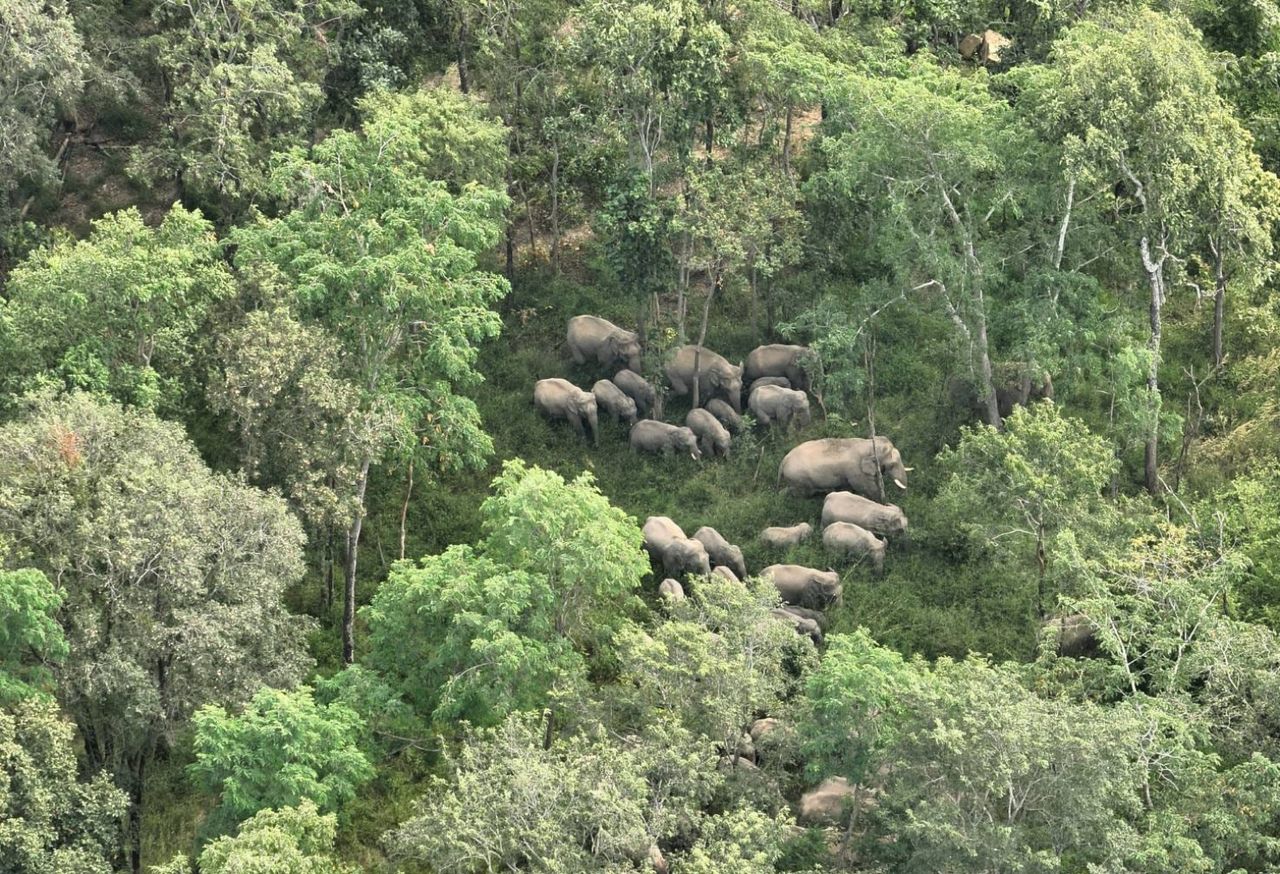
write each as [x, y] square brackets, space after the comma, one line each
[804, 586]
[561, 399]
[614, 401]
[716, 376]
[649, 435]
[713, 438]
[666, 544]
[836, 463]
[772, 404]
[779, 359]
[722, 552]
[1077, 636]
[887, 520]
[725, 414]
[637, 388]
[601, 339]
[847, 540]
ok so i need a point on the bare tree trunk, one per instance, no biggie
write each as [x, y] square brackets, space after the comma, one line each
[353, 553]
[786, 140]
[1155, 280]
[555, 208]
[404, 509]
[702, 338]
[869, 362]
[1219, 303]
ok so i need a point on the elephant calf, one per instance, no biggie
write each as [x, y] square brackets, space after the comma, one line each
[887, 520]
[780, 537]
[666, 543]
[779, 381]
[614, 401]
[713, 438]
[801, 624]
[561, 399]
[721, 551]
[804, 586]
[722, 571]
[846, 540]
[649, 435]
[772, 404]
[637, 388]
[671, 590]
[594, 337]
[724, 414]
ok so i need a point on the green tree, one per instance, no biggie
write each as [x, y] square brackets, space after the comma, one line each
[291, 840]
[281, 749]
[123, 313]
[383, 258]
[477, 632]
[50, 823]
[42, 66]
[30, 639]
[171, 576]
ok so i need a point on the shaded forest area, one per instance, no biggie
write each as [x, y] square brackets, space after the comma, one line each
[299, 574]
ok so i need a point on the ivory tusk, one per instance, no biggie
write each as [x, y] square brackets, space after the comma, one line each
[899, 484]
[908, 469]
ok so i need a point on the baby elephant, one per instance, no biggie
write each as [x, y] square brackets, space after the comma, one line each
[846, 539]
[804, 586]
[713, 438]
[780, 537]
[611, 399]
[671, 590]
[887, 520]
[637, 388]
[561, 399]
[779, 381]
[665, 542]
[725, 414]
[721, 551]
[772, 404]
[649, 435]
[802, 624]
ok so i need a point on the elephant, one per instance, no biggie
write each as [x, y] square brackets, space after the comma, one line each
[724, 414]
[887, 520]
[781, 537]
[805, 586]
[594, 337]
[836, 463]
[561, 399]
[846, 539]
[779, 381]
[805, 613]
[721, 551]
[649, 435]
[614, 401]
[771, 403]
[671, 590]
[779, 359]
[829, 804]
[713, 438]
[716, 376]
[801, 624]
[1077, 638]
[666, 543]
[635, 386]
[1015, 384]
[722, 571]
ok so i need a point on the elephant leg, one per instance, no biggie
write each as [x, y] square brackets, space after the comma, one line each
[576, 352]
[576, 422]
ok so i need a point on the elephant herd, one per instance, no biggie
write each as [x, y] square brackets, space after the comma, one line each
[775, 376]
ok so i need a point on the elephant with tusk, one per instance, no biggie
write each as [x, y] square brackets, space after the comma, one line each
[837, 463]
[649, 435]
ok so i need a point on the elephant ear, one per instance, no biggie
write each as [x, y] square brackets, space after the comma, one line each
[867, 465]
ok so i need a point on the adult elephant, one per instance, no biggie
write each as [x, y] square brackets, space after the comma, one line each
[666, 544]
[561, 399]
[772, 404]
[716, 377]
[780, 359]
[836, 463]
[601, 339]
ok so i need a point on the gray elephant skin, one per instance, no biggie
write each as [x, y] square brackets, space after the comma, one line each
[837, 463]
[1077, 638]
[887, 520]
[614, 401]
[722, 571]
[636, 387]
[594, 337]
[713, 438]
[782, 536]
[716, 376]
[804, 586]
[772, 404]
[671, 590]
[561, 399]
[666, 544]
[780, 359]
[722, 552]
[724, 414]
[649, 435]
[779, 381]
[847, 540]
[801, 624]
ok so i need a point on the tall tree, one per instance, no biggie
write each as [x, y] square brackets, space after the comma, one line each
[171, 576]
[380, 252]
[31, 642]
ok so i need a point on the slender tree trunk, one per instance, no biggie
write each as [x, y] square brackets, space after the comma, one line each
[869, 364]
[702, 338]
[135, 815]
[555, 208]
[404, 509]
[329, 569]
[1219, 303]
[463, 78]
[353, 554]
[786, 140]
[1155, 280]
